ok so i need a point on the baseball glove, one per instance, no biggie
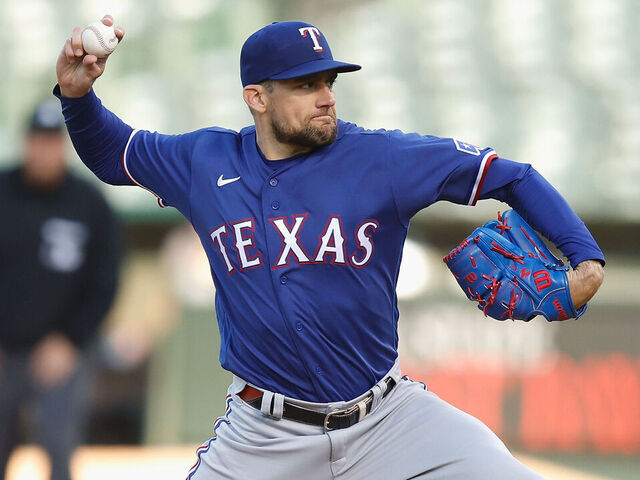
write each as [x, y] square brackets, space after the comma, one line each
[509, 271]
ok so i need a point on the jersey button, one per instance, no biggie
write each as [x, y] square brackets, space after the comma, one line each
[318, 371]
[299, 326]
[273, 182]
[283, 280]
[275, 205]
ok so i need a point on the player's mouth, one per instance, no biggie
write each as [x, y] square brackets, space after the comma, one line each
[323, 118]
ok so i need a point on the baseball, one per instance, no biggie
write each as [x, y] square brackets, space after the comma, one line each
[98, 39]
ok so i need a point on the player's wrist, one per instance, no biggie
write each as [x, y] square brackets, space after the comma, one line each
[584, 281]
[74, 91]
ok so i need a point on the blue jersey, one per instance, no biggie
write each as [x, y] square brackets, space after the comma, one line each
[305, 252]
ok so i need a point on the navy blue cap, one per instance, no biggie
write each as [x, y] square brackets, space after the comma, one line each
[287, 50]
[46, 117]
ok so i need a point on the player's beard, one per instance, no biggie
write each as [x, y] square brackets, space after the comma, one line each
[309, 136]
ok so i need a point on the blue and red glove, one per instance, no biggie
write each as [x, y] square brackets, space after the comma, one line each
[509, 271]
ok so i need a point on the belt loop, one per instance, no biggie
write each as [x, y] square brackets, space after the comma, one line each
[377, 390]
[267, 398]
[278, 405]
[362, 409]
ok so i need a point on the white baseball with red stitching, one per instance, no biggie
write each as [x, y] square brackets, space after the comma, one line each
[99, 39]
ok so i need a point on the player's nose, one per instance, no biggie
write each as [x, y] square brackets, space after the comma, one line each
[326, 97]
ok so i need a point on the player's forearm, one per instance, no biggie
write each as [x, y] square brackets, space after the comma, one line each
[98, 136]
[544, 209]
[584, 281]
[549, 213]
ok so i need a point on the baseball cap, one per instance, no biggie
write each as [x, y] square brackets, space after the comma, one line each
[46, 117]
[287, 50]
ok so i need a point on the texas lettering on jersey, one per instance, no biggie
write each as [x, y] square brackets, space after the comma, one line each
[305, 251]
[330, 249]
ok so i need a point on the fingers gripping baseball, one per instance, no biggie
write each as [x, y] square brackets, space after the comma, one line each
[76, 69]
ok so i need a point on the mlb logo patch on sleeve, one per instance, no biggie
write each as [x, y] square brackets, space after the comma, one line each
[467, 147]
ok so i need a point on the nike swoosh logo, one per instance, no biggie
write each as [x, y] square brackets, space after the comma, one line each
[224, 181]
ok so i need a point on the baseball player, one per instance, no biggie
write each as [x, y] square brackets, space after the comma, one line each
[303, 219]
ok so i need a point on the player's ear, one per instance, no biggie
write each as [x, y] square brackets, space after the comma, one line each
[255, 98]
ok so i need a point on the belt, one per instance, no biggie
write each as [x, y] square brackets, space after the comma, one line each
[330, 421]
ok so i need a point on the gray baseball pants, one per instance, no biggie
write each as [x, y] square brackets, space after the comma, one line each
[410, 433]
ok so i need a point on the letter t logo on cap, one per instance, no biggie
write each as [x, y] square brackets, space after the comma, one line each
[314, 33]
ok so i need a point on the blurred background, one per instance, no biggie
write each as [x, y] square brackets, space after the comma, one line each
[554, 84]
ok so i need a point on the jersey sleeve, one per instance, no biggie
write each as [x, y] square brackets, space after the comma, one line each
[426, 169]
[119, 155]
[161, 164]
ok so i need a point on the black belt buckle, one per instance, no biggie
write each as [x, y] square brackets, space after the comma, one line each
[355, 413]
[352, 415]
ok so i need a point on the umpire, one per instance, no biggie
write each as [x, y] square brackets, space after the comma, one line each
[59, 256]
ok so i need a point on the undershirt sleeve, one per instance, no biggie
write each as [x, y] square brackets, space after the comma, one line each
[98, 136]
[542, 206]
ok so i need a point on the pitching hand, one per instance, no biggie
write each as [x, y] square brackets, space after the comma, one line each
[76, 69]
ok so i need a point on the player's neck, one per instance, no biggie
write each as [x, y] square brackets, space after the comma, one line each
[272, 149]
